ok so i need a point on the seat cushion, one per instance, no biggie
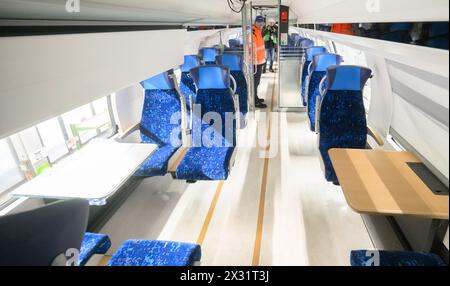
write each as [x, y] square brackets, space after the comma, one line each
[156, 253]
[93, 243]
[205, 164]
[158, 163]
[397, 258]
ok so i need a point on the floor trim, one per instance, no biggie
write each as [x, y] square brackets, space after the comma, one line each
[262, 198]
[201, 237]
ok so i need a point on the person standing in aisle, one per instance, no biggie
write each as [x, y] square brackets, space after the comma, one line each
[270, 35]
[259, 57]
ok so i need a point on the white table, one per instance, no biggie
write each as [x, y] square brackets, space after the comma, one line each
[93, 173]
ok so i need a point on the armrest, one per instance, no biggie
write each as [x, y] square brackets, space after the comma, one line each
[374, 134]
[130, 131]
[317, 123]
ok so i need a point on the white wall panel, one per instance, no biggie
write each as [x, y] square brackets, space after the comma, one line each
[44, 76]
[427, 136]
[366, 11]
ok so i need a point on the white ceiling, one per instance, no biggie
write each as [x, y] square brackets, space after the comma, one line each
[218, 12]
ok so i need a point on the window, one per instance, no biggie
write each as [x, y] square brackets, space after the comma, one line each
[10, 173]
[53, 139]
[30, 152]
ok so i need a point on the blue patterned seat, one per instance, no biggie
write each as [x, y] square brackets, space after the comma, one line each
[310, 53]
[156, 253]
[187, 85]
[208, 55]
[158, 126]
[361, 258]
[214, 127]
[235, 62]
[318, 71]
[342, 118]
[93, 243]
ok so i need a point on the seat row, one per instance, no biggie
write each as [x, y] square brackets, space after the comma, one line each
[190, 121]
[54, 235]
[333, 96]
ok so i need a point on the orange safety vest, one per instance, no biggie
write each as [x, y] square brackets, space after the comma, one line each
[346, 29]
[259, 47]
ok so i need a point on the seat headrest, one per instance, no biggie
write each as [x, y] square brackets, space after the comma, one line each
[211, 77]
[323, 61]
[305, 43]
[234, 43]
[347, 77]
[162, 81]
[233, 61]
[317, 50]
[190, 62]
[209, 54]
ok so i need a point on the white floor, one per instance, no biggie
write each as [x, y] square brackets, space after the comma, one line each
[306, 219]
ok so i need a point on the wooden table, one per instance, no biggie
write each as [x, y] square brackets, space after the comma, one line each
[93, 173]
[382, 183]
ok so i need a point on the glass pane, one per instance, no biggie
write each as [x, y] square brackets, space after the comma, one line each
[77, 123]
[53, 139]
[10, 173]
[101, 105]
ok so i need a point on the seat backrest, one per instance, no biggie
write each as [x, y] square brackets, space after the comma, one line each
[235, 63]
[39, 236]
[162, 105]
[208, 55]
[315, 50]
[187, 85]
[309, 56]
[342, 118]
[318, 69]
[215, 119]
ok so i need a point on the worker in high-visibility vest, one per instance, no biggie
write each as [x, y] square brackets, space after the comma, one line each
[270, 34]
[259, 57]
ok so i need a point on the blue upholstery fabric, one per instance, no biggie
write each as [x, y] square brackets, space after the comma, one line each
[342, 114]
[234, 62]
[358, 258]
[320, 65]
[242, 91]
[309, 56]
[342, 125]
[214, 138]
[157, 128]
[156, 253]
[158, 163]
[156, 125]
[313, 93]
[205, 164]
[219, 102]
[93, 243]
